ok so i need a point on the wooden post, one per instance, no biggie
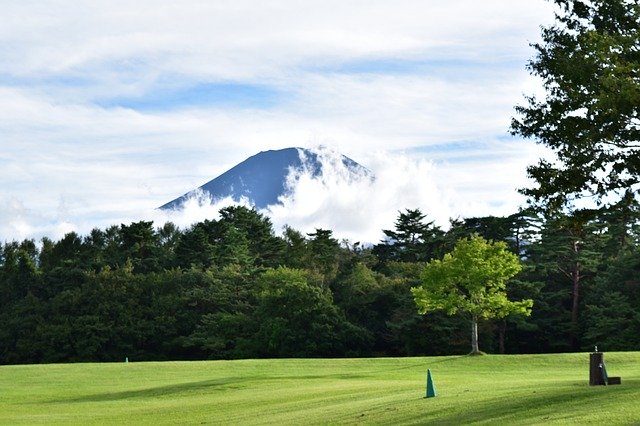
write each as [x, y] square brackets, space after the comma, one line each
[596, 365]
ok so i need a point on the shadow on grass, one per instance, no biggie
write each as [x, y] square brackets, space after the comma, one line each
[446, 359]
[419, 363]
[566, 403]
[200, 386]
[159, 391]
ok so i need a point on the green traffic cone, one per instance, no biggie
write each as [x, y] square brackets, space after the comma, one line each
[431, 388]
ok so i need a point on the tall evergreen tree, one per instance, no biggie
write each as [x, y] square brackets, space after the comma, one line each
[193, 248]
[139, 244]
[257, 229]
[295, 252]
[566, 256]
[590, 118]
[413, 240]
[324, 254]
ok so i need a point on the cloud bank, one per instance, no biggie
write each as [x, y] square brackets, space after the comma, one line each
[110, 108]
[358, 207]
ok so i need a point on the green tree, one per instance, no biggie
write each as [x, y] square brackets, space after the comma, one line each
[21, 307]
[588, 62]
[193, 248]
[168, 239]
[297, 318]
[471, 279]
[295, 250]
[611, 319]
[567, 254]
[514, 230]
[323, 254]
[510, 229]
[140, 245]
[434, 333]
[93, 247]
[263, 246]
[413, 240]
[233, 249]
[111, 247]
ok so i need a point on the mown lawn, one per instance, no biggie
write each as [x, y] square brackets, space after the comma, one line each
[492, 389]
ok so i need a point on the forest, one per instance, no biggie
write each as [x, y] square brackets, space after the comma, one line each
[231, 288]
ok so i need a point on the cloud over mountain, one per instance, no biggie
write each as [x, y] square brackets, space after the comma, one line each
[355, 205]
[263, 179]
[109, 109]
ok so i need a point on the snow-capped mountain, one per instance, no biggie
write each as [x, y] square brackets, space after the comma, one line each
[264, 177]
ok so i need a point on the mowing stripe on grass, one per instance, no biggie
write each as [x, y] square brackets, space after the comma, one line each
[510, 389]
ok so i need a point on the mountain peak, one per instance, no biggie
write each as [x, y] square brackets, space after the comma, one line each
[264, 177]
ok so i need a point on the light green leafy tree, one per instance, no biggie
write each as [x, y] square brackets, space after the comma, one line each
[471, 279]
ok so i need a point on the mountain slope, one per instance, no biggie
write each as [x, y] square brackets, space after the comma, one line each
[262, 178]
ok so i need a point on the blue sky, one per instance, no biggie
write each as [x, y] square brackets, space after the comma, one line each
[109, 109]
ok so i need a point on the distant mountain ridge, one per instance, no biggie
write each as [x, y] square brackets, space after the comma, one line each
[262, 178]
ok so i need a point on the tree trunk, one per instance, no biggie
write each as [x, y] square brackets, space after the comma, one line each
[575, 305]
[474, 335]
[502, 331]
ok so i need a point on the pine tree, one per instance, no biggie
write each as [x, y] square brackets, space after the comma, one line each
[589, 63]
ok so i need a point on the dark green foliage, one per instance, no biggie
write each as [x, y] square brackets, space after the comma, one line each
[139, 245]
[193, 248]
[566, 257]
[64, 253]
[297, 318]
[412, 334]
[295, 252]
[240, 236]
[588, 62]
[168, 239]
[612, 318]
[510, 229]
[229, 288]
[323, 254]
[263, 246]
[368, 300]
[413, 240]
[217, 304]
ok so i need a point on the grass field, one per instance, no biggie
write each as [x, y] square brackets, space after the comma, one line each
[492, 389]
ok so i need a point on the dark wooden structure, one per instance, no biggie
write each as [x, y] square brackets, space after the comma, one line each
[598, 371]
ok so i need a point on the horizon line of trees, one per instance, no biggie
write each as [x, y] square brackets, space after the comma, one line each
[232, 288]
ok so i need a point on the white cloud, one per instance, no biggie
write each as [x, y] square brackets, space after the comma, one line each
[244, 38]
[358, 208]
[370, 78]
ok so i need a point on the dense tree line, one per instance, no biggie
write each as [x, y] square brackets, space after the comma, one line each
[232, 288]
[589, 119]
